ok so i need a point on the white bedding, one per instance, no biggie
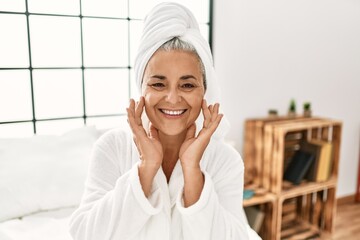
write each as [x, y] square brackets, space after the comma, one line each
[40, 174]
[41, 183]
[50, 225]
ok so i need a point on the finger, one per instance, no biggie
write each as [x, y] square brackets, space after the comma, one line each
[211, 107]
[190, 132]
[131, 120]
[137, 130]
[130, 110]
[138, 110]
[216, 123]
[216, 108]
[206, 114]
[132, 105]
[218, 120]
[153, 132]
[215, 112]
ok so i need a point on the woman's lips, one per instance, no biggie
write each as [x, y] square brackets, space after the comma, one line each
[173, 113]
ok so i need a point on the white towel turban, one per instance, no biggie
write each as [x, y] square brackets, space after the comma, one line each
[164, 22]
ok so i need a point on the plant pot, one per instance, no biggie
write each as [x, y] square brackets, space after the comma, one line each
[307, 113]
[272, 113]
[291, 114]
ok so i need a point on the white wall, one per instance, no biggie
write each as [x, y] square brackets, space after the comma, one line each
[267, 52]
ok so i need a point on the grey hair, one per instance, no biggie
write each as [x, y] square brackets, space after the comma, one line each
[177, 44]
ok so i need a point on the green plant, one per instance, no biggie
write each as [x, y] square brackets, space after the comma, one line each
[307, 106]
[292, 107]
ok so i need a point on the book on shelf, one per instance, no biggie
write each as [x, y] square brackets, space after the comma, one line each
[255, 217]
[321, 168]
[315, 150]
[298, 166]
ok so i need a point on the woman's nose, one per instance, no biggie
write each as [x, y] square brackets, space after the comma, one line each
[173, 96]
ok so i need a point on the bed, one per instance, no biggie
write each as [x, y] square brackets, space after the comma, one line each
[41, 183]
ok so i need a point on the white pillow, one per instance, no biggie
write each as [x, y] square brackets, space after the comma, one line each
[43, 172]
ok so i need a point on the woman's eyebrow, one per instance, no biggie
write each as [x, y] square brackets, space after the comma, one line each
[185, 77]
[160, 77]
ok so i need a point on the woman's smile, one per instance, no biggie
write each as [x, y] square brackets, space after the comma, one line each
[173, 114]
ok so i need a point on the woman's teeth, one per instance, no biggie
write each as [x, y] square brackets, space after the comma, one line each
[173, 113]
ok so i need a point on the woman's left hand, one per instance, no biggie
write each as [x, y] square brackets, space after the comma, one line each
[193, 147]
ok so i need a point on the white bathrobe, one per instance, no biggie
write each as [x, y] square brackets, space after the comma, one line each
[114, 206]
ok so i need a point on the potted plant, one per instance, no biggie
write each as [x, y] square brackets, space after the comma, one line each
[292, 108]
[273, 113]
[307, 109]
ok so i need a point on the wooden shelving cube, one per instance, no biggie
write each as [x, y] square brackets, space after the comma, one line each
[310, 217]
[274, 142]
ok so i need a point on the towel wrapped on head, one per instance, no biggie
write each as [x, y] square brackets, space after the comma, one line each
[169, 20]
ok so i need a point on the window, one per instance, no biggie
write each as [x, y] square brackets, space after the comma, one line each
[66, 63]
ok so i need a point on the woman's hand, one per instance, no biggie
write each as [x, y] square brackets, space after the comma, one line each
[191, 152]
[192, 149]
[148, 145]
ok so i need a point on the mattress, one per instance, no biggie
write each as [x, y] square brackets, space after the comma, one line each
[49, 225]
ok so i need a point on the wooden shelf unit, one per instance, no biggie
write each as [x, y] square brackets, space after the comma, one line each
[269, 144]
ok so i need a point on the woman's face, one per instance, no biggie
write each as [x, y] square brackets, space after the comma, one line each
[173, 89]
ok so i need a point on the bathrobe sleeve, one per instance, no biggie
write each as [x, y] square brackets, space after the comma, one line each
[113, 205]
[218, 214]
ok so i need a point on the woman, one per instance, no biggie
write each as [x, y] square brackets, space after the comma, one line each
[166, 180]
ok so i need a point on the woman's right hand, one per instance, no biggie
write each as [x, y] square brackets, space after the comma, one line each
[148, 145]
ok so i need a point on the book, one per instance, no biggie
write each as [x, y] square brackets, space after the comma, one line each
[298, 166]
[314, 149]
[255, 217]
[323, 170]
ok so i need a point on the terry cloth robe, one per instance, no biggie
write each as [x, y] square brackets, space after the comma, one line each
[114, 205]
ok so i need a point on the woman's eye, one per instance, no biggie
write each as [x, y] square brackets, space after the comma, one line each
[188, 85]
[157, 85]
